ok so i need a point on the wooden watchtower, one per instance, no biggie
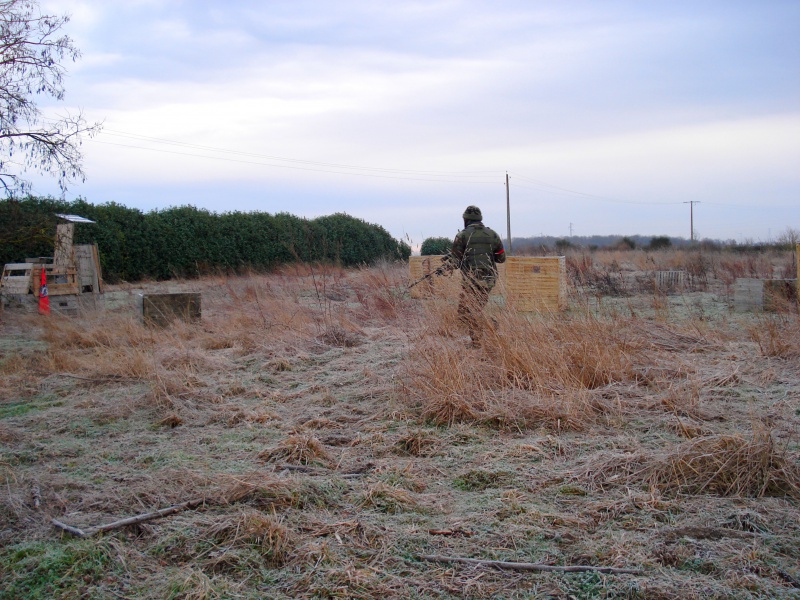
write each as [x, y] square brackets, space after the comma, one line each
[74, 270]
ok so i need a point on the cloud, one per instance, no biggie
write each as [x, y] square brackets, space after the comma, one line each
[637, 102]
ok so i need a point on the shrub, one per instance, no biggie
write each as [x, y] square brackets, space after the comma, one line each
[661, 242]
[435, 245]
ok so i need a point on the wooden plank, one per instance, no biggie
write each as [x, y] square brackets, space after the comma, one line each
[88, 279]
[60, 281]
[16, 278]
[16, 285]
[98, 270]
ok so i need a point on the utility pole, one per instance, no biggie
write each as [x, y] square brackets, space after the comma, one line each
[691, 204]
[508, 214]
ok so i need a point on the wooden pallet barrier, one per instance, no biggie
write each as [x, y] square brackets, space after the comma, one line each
[529, 283]
[536, 283]
[60, 280]
[16, 279]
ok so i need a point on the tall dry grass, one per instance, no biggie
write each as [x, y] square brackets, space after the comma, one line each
[749, 465]
[530, 369]
[261, 319]
[728, 465]
[777, 334]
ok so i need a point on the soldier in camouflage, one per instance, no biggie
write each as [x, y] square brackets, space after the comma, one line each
[476, 250]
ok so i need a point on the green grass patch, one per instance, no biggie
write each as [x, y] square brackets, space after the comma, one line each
[478, 480]
[43, 571]
[17, 409]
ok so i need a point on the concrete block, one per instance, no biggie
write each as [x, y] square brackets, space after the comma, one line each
[162, 309]
[770, 295]
[748, 295]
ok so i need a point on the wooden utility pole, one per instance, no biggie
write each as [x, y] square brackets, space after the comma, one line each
[508, 214]
[691, 204]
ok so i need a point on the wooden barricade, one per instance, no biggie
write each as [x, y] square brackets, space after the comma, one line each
[536, 283]
[60, 280]
[438, 285]
[87, 264]
[529, 283]
[16, 279]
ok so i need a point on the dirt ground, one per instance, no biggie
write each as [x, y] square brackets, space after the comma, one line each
[341, 440]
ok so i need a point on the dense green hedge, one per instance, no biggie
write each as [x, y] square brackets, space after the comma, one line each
[435, 245]
[187, 241]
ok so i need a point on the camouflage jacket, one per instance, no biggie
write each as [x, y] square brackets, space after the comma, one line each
[477, 249]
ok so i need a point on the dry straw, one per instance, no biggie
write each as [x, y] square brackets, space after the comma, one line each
[265, 533]
[728, 465]
[720, 465]
[301, 449]
[528, 370]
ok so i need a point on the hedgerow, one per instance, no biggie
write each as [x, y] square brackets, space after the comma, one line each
[187, 241]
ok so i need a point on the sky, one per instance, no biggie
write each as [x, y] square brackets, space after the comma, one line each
[608, 117]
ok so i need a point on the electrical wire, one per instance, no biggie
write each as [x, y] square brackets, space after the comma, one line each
[133, 136]
[476, 177]
[576, 193]
[298, 168]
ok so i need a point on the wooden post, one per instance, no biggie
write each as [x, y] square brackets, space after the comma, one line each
[64, 255]
[508, 214]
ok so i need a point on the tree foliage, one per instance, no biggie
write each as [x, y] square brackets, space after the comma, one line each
[433, 246]
[563, 244]
[660, 242]
[32, 53]
[187, 241]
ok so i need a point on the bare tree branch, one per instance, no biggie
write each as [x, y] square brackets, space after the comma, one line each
[31, 64]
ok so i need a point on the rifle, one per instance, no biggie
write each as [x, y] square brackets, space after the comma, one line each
[448, 265]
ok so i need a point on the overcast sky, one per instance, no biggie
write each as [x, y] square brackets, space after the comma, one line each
[608, 116]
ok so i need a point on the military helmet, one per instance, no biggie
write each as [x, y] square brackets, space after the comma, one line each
[472, 213]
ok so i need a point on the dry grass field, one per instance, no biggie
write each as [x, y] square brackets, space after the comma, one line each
[332, 435]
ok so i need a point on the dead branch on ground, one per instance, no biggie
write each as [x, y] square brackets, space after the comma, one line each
[515, 566]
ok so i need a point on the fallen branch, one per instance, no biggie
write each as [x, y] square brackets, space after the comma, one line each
[69, 529]
[158, 514]
[515, 566]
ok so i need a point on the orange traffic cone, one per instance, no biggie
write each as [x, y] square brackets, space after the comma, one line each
[44, 299]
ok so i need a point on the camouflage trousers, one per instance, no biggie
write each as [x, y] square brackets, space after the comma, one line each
[474, 297]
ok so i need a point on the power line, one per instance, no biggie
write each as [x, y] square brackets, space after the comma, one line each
[264, 164]
[477, 177]
[144, 138]
[577, 193]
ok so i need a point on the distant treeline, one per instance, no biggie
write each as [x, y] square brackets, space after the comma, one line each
[547, 244]
[597, 241]
[186, 241]
[659, 242]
